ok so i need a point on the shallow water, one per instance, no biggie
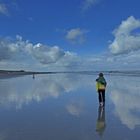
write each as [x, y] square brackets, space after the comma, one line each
[65, 107]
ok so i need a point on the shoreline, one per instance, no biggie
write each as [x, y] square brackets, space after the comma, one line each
[11, 73]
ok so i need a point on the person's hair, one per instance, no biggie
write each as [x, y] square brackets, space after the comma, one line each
[101, 74]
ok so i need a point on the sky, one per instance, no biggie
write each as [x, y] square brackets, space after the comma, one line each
[69, 35]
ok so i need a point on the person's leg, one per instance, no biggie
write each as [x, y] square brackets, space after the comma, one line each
[103, 95]
[99, 96]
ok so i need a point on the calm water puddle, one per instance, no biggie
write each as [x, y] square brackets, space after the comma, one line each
[65, 107]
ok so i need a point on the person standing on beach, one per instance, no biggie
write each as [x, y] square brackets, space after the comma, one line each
[100, 87]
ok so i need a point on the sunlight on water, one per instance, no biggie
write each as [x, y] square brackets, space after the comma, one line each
[65, 106]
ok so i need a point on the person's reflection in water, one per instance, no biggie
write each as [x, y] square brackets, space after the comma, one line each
[33, 76]
[101, 124]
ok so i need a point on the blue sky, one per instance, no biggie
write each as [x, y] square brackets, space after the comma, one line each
[50, 33]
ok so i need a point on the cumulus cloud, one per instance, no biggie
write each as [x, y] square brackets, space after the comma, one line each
[76, 35]
[125, 40]
[22, 51]
[88, 4]
[7, 49]
[47, 54]
[107, 61]
[23, 54]
[3, 9]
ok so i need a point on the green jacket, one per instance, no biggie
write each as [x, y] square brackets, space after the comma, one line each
[100, 83]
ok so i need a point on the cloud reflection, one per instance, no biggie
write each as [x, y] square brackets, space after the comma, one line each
[75, 108]
[20, 91]
[124, 93]
[125, 96]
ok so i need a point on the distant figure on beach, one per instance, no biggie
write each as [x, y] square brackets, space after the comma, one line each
[100, 87]
[101, 124]
[33, 76]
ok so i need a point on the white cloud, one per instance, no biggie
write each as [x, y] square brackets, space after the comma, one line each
[125, 41]
[47, 54]
[88, 4]
[76, 35]
[20, 51]
[107, 61]
[22, 54]
[7, 49]
[3, 9]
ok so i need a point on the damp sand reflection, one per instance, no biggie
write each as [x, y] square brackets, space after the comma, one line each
[65, 106]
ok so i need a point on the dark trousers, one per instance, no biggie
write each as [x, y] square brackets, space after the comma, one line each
[101, 95]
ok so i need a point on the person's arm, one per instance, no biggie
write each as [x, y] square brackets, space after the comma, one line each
[105, 83]
[97, 86]
[97, 80]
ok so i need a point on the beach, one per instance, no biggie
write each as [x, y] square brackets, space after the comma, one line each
[65, 106]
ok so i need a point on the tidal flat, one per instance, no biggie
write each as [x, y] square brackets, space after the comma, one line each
[64, 106]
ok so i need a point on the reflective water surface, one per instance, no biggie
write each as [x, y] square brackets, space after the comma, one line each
[65, 107]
